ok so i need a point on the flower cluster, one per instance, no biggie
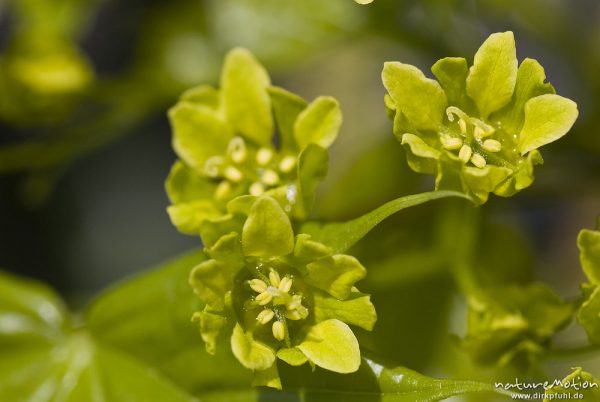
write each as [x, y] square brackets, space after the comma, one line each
[283, 296]
[251, 156]
[477, 129]
[227, 145]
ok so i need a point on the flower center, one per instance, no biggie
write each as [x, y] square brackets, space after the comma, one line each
[278, 300]
[472, 142]
[255, 170]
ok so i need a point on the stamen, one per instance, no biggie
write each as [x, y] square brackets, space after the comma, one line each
[278, 330]
[274, 278]
[223, 190]
[264, 156]
[233, 174]
[478, 161]
[463, 126]
[286, 284]
[236, 149]
[265, 316]
[293, 315]
[465, 153]
[270, 178]
[294, 303]
[213, 165]
[264, 298]
[287, 164]
[492, 145]
[451, 143]
[258, 285]
[256, 189]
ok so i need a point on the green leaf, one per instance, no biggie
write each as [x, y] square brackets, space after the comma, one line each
[267, 231]
[244, 84]
[319, 123]
[452, 74]
[286, 107]
[579, 385]
[420, 157]
[547, 118]
[340, 236]
[252, 354]
[335, 275]
[29, 308]
[356, 309]
[148, 318]
[375, 381]
[588, 242]
[492, 78]
[422, 100]
[332, 345]
[307, 250]
[530, 83]
[198, 134]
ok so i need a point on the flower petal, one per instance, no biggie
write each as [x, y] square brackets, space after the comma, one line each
[188, 217]
[211, 324]
[247, 104]
[198, 134]
[421, 99]
[357, 309]
[547, 118]
[286, 107]
[252, 354]
[452, 74]
[336, 274]
[420, 157]
[492, 78]
[332, 345]
[530, 83]
[211, 280]
[268, 230]
[319, 123]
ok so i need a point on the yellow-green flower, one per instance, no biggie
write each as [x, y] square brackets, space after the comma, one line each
[280, 296]
[247, 138]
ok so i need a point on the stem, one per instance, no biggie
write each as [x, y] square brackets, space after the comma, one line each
[571, 351]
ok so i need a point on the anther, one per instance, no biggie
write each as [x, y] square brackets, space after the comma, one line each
[463, 126]
[451, 143]
[213, 165]
[256, 189]
[274, 278]
[264, 156]
[286, 284]
[257, 285]
[492, 145]
[265, 316]
[223, 190]
[264, 298]
[293, 315]
[237, 150]
[269, 177]
[478, 160]
[233, 174]
[278, 330]
[479, 132]
[287, 164]
[465, 153]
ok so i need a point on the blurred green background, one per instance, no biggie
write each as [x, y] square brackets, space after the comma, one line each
[85, 142]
